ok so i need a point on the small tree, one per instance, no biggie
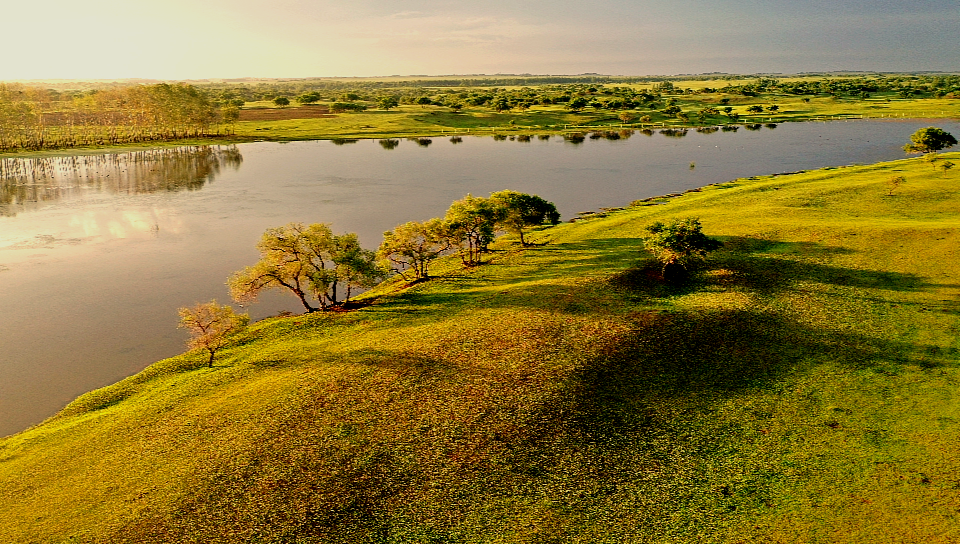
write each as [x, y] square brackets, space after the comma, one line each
[894, 183]
[412, 246]
[210, 325]
[755, 109]
[522, 210]
[678, 245]
[929, 140]
[626, 117]
[281, 101]
[472, 223]
[946, 166]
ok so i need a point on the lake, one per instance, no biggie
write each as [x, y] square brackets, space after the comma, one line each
[97, 252]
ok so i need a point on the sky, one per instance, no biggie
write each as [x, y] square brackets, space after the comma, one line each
[208, 39]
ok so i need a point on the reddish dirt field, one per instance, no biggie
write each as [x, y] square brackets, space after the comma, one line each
[280, 114]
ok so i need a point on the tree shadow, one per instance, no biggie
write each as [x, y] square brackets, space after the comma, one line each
[703, 358]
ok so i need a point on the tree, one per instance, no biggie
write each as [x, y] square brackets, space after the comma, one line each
[412, 246]
[929, 140]
[946, 166]
[773, 108]
[755, 109]
[472, 223]
[577, 104]
[500, 103]
[310, 262]
[309, 98]
[210, 325]
[894, 183]
[281, 101]
[671, 110]
[626, 117]
[679, 244]
[353, 267]
[523, 210]
[387, 102]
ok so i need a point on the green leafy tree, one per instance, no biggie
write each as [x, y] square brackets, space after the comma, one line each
[310, 262]
[353, 267]
[472, 223]
[678, 245]
[671, 110]
[387, 102]
[411, 247]
[522, 210]
[309, 98]
[577, 104]
[500, 103]
[929, 140]
[755, 109]
[210, 325]
[281, 101]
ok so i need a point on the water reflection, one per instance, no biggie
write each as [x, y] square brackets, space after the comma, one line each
[389, 143]
[29, 183]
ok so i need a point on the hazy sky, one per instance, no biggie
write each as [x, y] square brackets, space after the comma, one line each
[195, 39]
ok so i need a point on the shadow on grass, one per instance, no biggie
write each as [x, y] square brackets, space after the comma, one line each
[712, 355]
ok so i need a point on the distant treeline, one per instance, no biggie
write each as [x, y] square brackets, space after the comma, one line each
[553, 89]
[905, 86]
[34, 118]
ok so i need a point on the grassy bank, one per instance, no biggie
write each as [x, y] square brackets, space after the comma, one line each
[801, 389]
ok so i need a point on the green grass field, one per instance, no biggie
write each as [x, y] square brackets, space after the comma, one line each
[802, 388]
[409, 121]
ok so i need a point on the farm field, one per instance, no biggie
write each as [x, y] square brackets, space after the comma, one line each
[802, 387]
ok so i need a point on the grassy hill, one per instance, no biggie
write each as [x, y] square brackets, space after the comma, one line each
[803, 388]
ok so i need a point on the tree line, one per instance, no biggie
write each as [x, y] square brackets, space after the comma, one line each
[35, 118]
[323, 269]
[318, 266]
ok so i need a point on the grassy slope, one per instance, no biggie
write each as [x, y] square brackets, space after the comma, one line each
[802, 389]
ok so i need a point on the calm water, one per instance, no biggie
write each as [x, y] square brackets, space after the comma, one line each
[98, 252]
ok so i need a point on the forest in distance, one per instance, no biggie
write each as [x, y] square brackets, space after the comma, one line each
[34, 118]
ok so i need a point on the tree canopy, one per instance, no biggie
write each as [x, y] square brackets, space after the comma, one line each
[929, 140]
[522, 210]
[310, 262]
[678, 244]
[472, 223]
[412, 246]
